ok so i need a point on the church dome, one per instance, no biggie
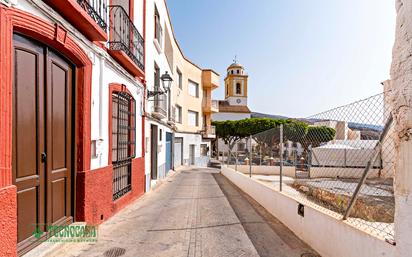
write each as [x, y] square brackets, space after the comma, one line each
[235, 65]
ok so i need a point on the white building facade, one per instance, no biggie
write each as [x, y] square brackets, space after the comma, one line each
[178, 122]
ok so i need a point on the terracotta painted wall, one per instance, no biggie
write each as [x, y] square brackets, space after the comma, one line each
[94, 193]
[8, 218]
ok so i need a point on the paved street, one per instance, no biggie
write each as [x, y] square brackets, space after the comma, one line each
[196, 212]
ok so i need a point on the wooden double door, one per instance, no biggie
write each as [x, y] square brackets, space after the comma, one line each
[42, 139]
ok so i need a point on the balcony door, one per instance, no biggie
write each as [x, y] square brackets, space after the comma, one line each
[42, 139]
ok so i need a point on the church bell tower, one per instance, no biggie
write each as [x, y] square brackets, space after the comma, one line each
[236, 84]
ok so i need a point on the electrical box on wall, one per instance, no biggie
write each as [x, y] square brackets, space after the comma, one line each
[96, 148]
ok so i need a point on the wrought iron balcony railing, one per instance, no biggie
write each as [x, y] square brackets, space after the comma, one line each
[124, 36]
[97, 10]
[160, 105]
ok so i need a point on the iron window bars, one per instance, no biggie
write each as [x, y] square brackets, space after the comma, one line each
[124, 36]
[123, 142]
[97, 10]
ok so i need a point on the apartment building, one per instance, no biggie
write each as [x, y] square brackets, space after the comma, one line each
[179, 103]
[71, 114]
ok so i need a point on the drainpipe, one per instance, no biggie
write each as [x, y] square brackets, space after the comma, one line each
[102, 59]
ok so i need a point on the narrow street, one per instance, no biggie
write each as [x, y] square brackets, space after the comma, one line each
[196, 212]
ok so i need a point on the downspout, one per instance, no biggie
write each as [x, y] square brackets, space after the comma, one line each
[144, 86]
[100, 106]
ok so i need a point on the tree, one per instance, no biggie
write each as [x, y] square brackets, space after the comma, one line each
[317, 135]
[266, 133]
[227, 131]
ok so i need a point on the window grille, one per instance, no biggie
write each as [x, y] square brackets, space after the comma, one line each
[123, 142]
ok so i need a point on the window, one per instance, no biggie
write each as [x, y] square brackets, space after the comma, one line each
[193, 89]
[204, 149]
[160, 101]
[238, 71]
[180, 78]
[156, 78]
[123, 142]
[193, 118]
[227, 89]
[178, 114]
[158, 27]
[238, 89]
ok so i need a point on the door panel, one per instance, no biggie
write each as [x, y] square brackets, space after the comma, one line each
[192, 154]
[28, 135]
[153, 155]
[42, 134]
[178, 152]
[169, 138]
[59, 86]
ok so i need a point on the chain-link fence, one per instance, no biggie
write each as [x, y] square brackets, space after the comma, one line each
[341, 160]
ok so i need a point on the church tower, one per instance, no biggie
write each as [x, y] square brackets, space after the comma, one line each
[236, 85]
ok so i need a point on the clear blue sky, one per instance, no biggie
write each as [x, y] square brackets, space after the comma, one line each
[302, 56]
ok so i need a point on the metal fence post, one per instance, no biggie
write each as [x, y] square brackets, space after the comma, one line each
[369, 165]
[250, 156]
[236, 161]
[281, 157]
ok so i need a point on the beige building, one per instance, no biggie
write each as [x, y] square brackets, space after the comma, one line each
[178, 123]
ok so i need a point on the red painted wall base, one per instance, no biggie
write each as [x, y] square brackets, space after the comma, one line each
[94, 193]
[8, 221]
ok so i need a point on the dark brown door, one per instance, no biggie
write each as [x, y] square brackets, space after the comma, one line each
[42, 143]
[153, 155]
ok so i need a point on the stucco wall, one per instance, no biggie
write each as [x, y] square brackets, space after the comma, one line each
[222, 116]
[105, 70]
[265, 170]
[8, 221]
[94, 196]
[94, 184]
[326, 234]
[193, 139]
[400, 104]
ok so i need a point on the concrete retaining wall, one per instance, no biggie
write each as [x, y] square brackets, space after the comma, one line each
[329, 236]
[323, 172]
[288, 171]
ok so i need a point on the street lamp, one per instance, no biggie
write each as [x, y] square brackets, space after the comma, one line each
[166, 83]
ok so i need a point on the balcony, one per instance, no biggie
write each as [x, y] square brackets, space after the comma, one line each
[88, 16]
[209, 132]
[160, 107]
[126, 45]
[209, 105]
[210, 79]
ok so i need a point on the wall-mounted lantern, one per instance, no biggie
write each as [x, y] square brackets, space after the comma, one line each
[166, 84]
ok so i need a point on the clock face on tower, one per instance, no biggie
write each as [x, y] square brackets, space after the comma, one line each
[238, 101]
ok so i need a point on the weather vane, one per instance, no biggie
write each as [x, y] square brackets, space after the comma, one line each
[235, 60]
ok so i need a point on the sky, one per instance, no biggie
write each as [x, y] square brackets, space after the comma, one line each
[302, 56]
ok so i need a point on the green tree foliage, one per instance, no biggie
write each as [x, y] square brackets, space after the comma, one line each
[317, 135]
[266, 133]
